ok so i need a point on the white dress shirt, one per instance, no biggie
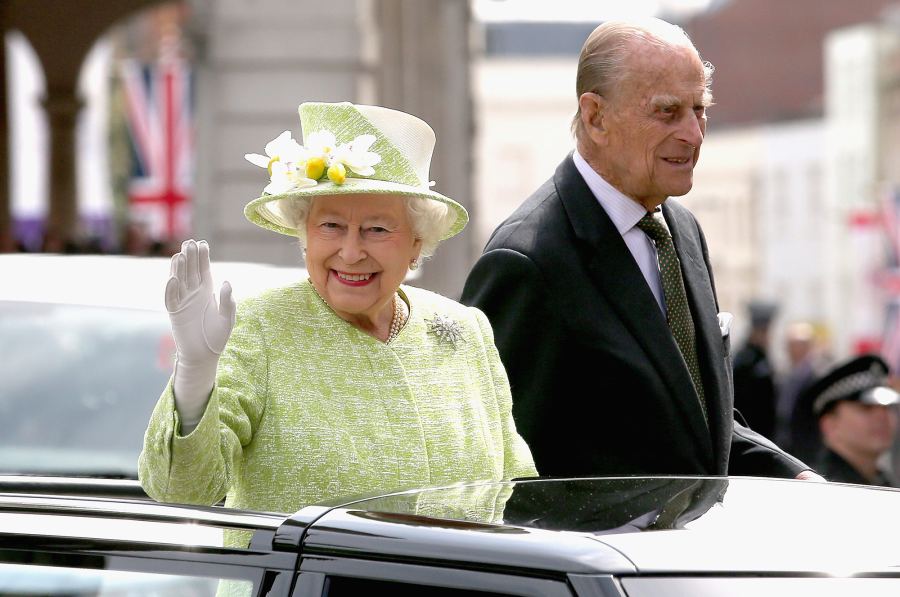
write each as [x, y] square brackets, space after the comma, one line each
[625, 214]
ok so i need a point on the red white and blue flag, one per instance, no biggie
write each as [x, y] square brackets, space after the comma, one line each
[890, 280]
[159, 110]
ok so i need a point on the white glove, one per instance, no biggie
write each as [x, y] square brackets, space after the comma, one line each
[200, 328]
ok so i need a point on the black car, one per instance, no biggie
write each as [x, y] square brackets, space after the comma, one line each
[87, 352]
[610, 537]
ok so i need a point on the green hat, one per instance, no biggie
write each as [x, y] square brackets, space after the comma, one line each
[349, 150]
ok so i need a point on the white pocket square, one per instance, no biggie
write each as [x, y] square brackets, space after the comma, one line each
[725, 319]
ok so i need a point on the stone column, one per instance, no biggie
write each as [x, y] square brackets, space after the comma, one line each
[62, 106]
[7, 242]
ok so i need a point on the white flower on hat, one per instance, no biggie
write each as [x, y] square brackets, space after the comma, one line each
[287, 176]
[319, 150]
[325, 156]
[292, 166]
[284, 159]
[280, 149]
[356, 155]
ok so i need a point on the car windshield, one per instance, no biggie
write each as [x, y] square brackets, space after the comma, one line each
[77, 385]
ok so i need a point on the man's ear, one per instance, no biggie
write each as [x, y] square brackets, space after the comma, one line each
[594, 116]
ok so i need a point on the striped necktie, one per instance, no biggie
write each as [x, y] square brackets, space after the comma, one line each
[678, 312]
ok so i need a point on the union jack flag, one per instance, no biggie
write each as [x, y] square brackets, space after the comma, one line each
[890, 280]
[158, 101]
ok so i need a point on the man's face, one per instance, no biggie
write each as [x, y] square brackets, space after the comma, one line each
[654, 123]
[865, 429]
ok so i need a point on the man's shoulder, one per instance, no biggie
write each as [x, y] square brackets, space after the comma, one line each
[833, 467]
[538, 217]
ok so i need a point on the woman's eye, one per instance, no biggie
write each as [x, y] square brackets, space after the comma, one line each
[329, 225]
[375, 232]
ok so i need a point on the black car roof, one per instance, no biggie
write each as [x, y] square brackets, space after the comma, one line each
[118, 498]
[642, 524]
[627, 525]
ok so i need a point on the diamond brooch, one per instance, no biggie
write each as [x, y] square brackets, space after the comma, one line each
[446, 329]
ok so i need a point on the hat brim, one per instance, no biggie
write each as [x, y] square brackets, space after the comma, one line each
[881, 396]
[266, 211]
[877, 396]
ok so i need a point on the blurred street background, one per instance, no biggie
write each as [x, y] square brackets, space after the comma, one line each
[123, 126]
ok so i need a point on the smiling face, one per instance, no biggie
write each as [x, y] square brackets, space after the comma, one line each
[648, 131]
[358, 251]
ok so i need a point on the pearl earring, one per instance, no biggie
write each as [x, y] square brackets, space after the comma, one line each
[413, 264]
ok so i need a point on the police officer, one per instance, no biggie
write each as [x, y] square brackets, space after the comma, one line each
[754, 383]
[858, 419]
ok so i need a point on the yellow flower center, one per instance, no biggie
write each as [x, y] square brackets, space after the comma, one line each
[337, 173]
[315, 168]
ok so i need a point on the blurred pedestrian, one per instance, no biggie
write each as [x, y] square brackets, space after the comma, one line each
[857, 415]
[797, 429]
[599, 286]
[754, 376]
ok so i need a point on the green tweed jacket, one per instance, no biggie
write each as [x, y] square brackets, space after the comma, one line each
[306, 408]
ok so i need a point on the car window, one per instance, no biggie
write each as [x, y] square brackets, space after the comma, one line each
[342, 577]
[340, 586]
[59, 581]
[77, 386]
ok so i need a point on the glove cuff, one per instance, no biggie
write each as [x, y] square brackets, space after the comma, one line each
[192, 385]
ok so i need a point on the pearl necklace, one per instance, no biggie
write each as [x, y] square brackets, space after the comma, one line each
[398, 319]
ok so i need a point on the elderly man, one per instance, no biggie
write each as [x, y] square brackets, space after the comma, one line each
[857, 415]
[599, 289]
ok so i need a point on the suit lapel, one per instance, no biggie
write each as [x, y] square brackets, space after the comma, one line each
[710, 349]
[615, 273]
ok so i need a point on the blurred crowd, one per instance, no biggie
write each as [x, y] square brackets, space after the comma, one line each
[814, 406]
[134, 240]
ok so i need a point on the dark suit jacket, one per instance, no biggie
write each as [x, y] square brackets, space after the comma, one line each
[834, 468]
[599, 386]
[754, 388]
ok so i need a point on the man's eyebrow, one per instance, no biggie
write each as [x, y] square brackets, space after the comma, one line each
[659, 102]
[665, 101]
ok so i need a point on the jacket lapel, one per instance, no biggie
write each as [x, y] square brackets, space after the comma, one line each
[615, 273]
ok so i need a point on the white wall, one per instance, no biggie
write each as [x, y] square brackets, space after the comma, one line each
[523, 109]
[257, 61]
[853, 96]
[725, 200]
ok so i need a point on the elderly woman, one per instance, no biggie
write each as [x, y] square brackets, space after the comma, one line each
[346, 382]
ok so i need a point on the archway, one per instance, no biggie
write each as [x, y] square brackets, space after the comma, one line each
[62, 34]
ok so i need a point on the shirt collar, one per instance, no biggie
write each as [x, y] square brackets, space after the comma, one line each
[623, 211]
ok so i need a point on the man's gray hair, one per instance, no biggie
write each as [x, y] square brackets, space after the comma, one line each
[430, 220]
[601, 65]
